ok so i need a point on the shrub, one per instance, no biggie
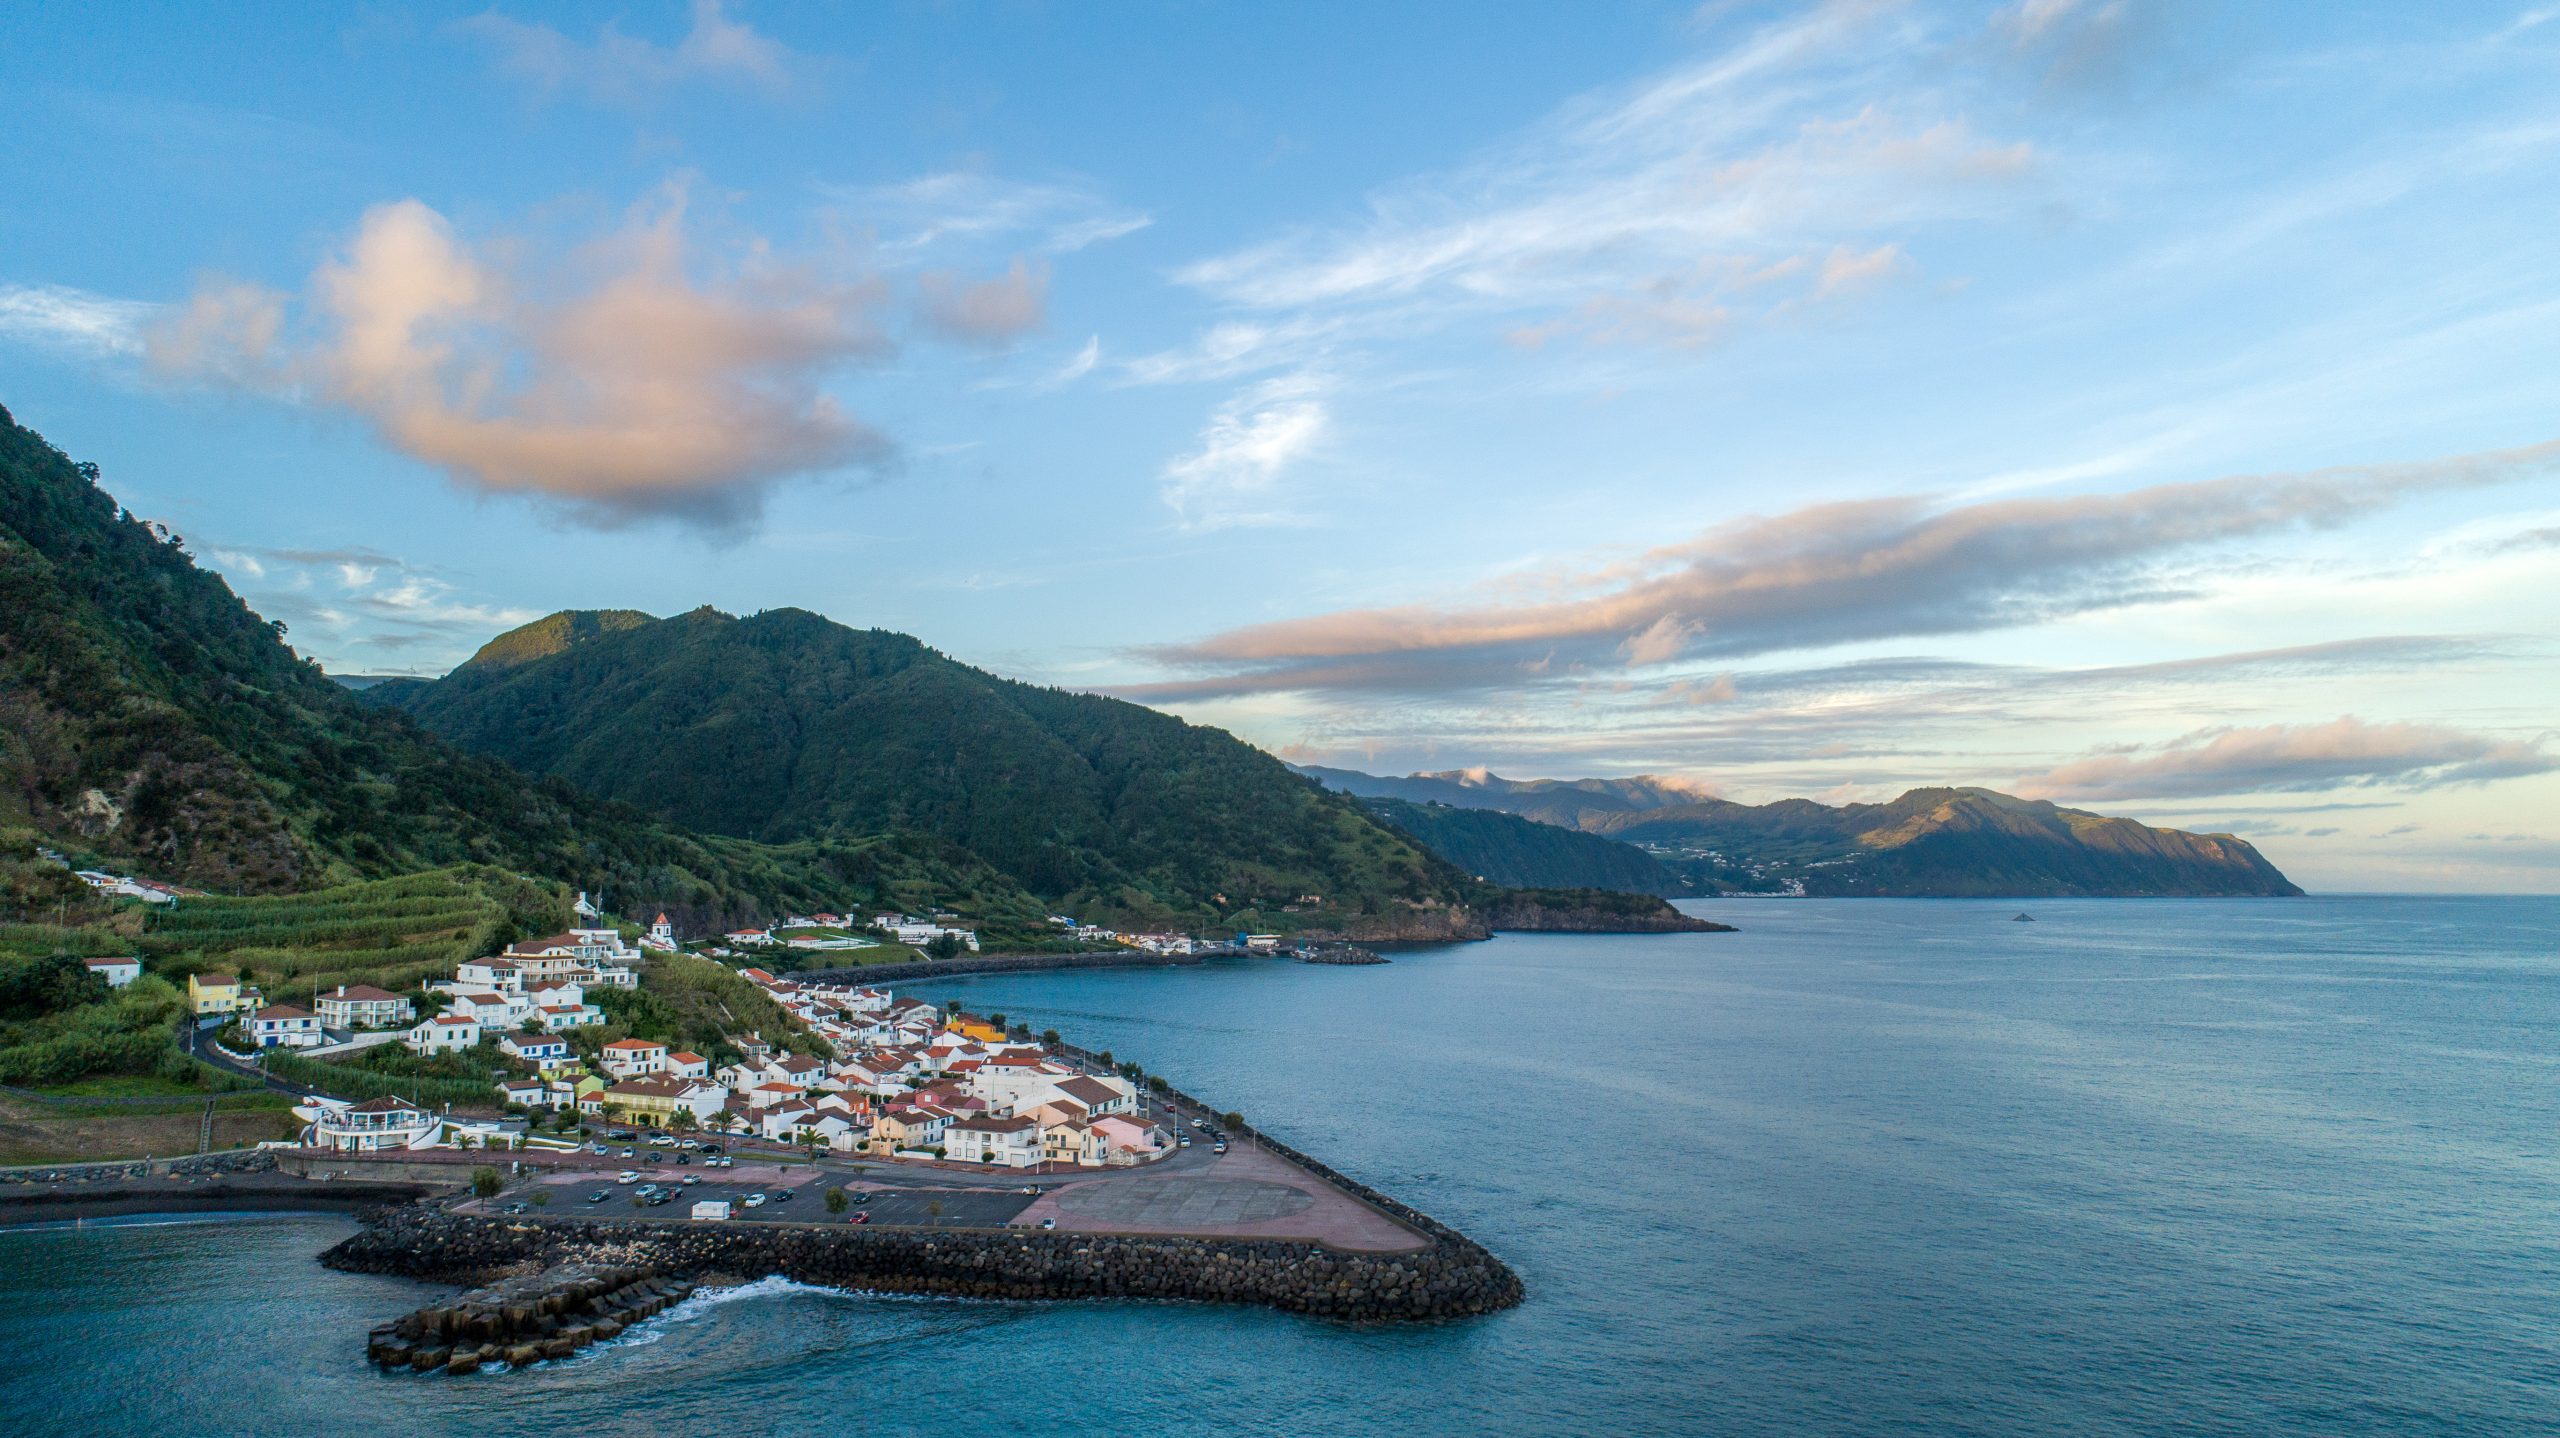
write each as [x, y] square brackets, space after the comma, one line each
[485, 1182]
[836, 1201]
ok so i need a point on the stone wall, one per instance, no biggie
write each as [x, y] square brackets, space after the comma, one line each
[1453, 1278]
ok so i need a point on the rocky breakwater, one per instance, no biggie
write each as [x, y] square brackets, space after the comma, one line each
[1450, 1277]
[526, 1318]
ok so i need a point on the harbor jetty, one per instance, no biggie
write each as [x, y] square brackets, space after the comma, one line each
[525, 1318]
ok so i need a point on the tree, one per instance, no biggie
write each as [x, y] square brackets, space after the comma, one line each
[935, 1209]
[1049, 1037]
[836, 1201]
[1233, 1120]
[485, 1182]
[944, 946]
[542, 1198]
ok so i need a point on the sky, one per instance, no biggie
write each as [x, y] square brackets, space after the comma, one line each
[2141, 405]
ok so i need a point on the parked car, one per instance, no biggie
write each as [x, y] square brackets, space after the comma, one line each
[691, 1143]
[684, 1158]
[862, 1198]
[515, 1208]
[691, 1179]
[1186, 1140]
[630, 1153]
[782, 1196]
[662, 1141]
[596, 1197]
[1220, 1148]
[1048, 1223]
[753, 1200]
[628, 1177]
[860, 1216]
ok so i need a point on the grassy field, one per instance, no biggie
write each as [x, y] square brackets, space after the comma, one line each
[33, 1132]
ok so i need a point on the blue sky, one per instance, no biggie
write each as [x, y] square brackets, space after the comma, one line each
[2140, 405]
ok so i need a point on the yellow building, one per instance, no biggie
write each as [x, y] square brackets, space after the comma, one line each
[975, 1027]
[213, 994]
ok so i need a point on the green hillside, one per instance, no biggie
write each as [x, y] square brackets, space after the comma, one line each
[149, 718]
[1520, 853]
[787, 727]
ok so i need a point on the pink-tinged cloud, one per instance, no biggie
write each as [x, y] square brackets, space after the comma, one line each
[1827, 574]
[637, 389]
[993, 312]
[2346, 752]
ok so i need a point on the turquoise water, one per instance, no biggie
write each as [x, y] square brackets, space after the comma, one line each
[1867, 1167]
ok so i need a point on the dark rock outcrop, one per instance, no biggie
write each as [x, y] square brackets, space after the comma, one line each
[1592, 911]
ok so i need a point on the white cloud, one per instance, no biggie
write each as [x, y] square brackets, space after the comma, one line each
[1248, 443]
[60, 317]
[1744, 183]
[966, 207]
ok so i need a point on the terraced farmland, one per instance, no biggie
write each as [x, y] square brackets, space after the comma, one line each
[391, 933]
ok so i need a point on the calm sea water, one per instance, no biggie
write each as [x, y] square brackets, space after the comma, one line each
[1866, 1167]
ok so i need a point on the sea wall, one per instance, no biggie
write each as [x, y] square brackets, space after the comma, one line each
[1453, 1278]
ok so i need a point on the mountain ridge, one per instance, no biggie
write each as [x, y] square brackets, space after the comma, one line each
[1929, 842]
[785, 726]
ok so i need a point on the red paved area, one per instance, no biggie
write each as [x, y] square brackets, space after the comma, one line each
[1330, 1217]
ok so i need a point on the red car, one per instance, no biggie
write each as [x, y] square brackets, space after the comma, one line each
[861, 1218]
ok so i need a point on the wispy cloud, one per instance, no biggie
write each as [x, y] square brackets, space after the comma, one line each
[58, 317]
[1250, 441]
[1744, 184]
[625, 388]
[968, 207]
[1823, 575]
[621, 68]
[2343, 753]
[357, 607]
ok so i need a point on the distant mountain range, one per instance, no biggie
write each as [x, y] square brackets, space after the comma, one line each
[1928, 843]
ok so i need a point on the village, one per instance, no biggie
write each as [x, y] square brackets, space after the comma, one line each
[858, 1071]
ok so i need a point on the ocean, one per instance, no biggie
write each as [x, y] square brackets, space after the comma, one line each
[1867, 1166]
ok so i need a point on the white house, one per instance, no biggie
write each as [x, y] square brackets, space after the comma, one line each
[661, 935]
[690, 1066]
[1005, 1142]
[533, 1049]
[445, 1034]
[525, 1093]
[635, 1058]
[362, 1006]
[117, 972]
[284, 1026]
[376, 1123]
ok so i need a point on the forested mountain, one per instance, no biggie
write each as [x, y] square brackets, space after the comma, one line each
[1520, 853]
[148, 716]
[786, 726]
[1929, 842]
